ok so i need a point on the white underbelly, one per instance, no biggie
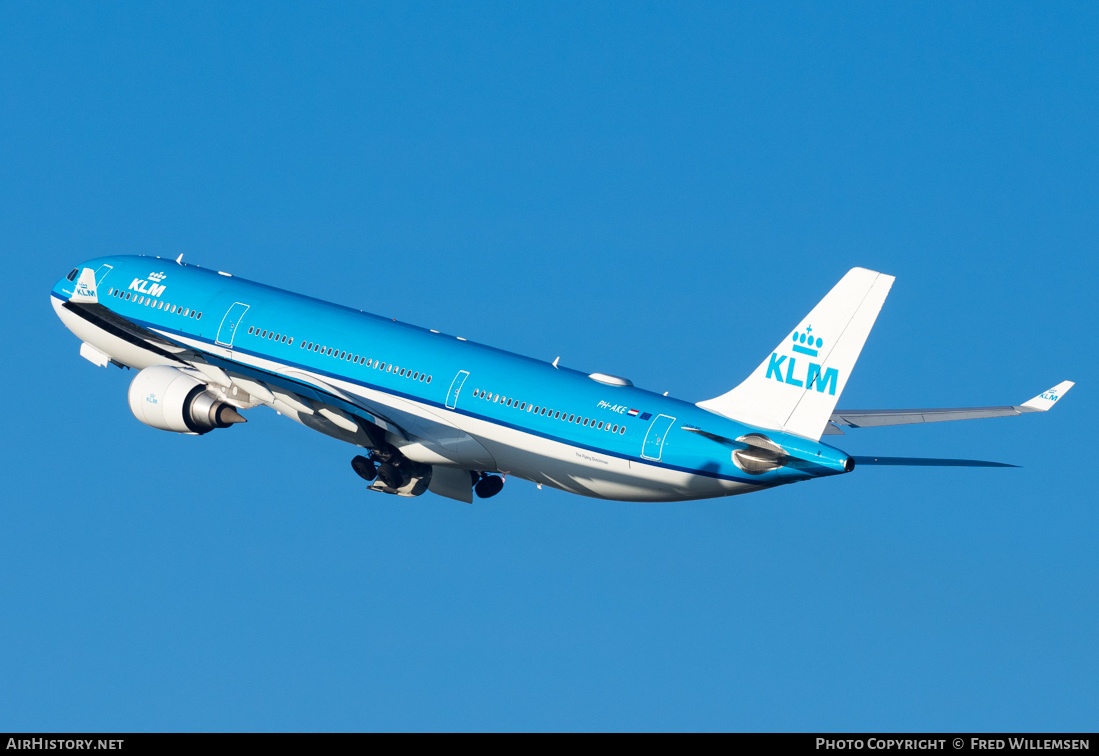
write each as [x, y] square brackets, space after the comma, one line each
[591, 473]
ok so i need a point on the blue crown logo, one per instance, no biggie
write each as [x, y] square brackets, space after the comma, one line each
[806, 343]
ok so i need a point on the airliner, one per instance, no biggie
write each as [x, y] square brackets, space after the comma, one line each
[435, 412]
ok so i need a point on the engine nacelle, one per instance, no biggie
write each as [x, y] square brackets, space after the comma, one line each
[169, 399]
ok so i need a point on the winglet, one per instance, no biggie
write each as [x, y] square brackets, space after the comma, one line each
[1047, 398]
[85, 288]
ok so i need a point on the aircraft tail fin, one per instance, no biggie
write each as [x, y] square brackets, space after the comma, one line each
[796, 388]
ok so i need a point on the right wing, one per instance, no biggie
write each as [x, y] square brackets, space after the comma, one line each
[875, 418]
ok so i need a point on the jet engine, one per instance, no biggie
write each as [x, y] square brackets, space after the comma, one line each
[169, 399]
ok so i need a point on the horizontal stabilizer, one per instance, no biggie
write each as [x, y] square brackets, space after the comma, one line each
[876, 418]
[926, 462]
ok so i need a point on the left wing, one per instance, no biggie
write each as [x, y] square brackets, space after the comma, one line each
[874, 418]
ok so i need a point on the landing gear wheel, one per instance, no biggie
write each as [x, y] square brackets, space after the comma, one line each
[364, 468]
[488, 486]
[389, 475]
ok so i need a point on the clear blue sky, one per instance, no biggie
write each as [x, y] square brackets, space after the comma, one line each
[655, 190]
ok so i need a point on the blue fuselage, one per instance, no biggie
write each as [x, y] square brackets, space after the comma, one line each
[548, 424]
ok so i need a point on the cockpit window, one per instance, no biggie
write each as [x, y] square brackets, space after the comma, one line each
[72, 275]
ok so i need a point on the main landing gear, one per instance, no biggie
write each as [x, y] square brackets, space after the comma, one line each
[390, 472]
[488, 486]
[364, 468]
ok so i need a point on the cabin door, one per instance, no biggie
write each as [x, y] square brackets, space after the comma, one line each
[228, 328]
[654, 439]
[455, 388]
